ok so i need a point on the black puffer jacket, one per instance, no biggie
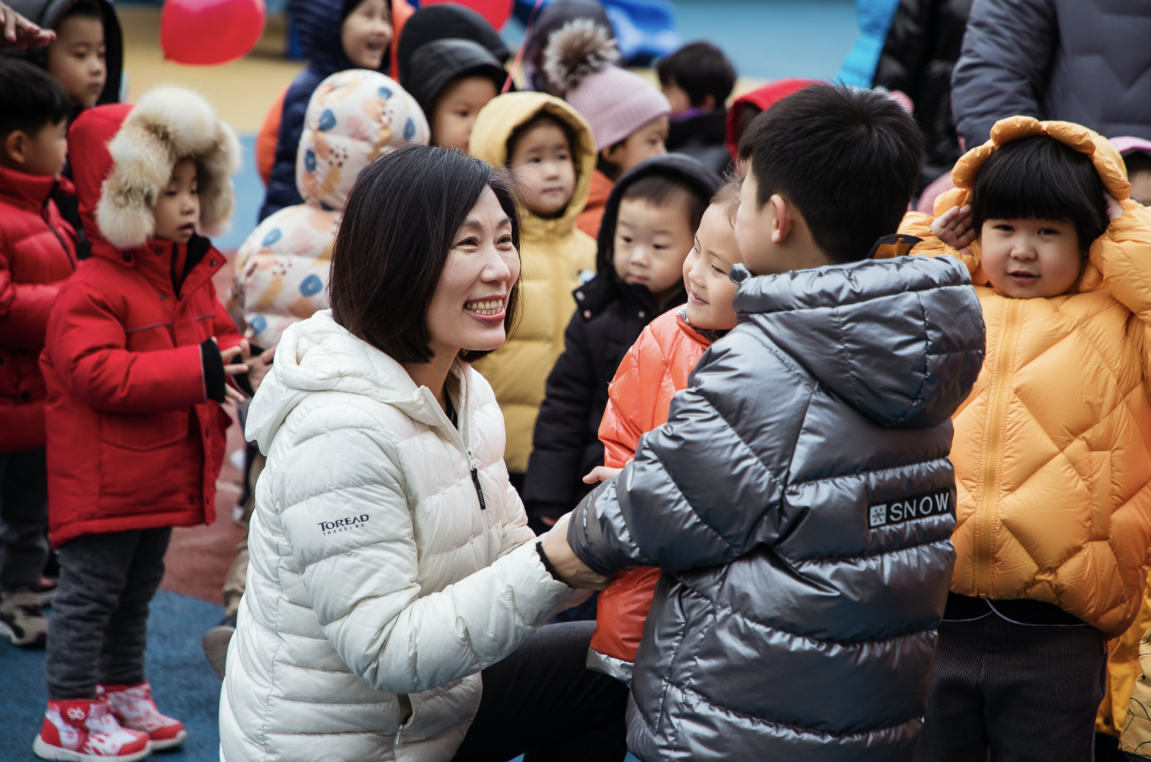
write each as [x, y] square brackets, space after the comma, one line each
[922, 47]
[800, 502]
[1082, 61]
[609, 317]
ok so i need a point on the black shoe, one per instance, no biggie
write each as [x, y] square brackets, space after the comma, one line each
[215, 644]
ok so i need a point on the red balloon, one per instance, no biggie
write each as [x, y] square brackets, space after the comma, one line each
[210, 32]
[495, 11]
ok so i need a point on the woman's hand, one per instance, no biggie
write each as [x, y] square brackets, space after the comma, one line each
[601, 474]
[1114, 208]
[954, 228]
[20, 33]
[258, 365]
[568, 566]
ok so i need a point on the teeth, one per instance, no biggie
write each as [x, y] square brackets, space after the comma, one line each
[491, 307]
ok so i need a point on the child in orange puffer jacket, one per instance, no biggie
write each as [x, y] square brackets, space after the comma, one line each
[1052, 449]
[654, 369]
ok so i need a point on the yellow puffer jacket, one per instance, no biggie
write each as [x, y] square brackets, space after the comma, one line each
[1052, 450]
[552, 255]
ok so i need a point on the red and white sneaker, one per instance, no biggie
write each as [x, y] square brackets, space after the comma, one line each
[83, 730]
[133, 706]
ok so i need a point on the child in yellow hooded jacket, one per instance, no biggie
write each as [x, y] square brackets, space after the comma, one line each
[549, 149]
[1052, 449]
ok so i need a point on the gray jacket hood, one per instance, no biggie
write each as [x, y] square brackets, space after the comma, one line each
[860, 331]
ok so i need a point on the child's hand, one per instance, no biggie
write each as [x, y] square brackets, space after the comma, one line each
[258, 365]
[600, 474]
[1114, 208]
[954, 228]
[231, 393]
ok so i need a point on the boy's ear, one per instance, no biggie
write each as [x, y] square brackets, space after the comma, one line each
[784, 218]
[16, 146]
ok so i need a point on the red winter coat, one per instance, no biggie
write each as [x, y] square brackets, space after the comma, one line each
[37, 253]
[639, 398]
[133, 440]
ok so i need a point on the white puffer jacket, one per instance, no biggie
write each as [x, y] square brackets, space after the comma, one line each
[379, 583]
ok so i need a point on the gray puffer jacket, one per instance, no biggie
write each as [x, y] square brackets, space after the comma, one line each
[800, 502]
[1082, 61]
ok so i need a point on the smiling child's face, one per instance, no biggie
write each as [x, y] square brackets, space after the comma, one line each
[1029, 259]
[366, 34]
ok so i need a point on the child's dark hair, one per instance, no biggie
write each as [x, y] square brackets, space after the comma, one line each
[660, 190]
[700, 69]
[30, 98]
[81, 9]
[1137, 162]
[349, 7]
[846, 158]
[542, 117]
[1039, 178]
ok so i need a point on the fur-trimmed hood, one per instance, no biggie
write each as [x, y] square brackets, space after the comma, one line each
[119, 181]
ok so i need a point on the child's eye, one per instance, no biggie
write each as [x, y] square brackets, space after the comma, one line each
[1005, 228]
[718, 270]
[1048, 231]
[625, 239]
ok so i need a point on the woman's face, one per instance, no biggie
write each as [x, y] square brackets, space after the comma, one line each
[468, 309]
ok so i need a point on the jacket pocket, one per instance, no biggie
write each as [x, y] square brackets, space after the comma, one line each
[144, 433]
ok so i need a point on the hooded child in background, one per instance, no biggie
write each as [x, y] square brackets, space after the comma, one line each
[549, 149]
[649, 224]
[335, 35]
[452, 62]
[628, 116]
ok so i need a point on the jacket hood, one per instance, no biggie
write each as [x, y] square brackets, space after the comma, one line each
[444, 22]
[901, 340]
[318, 355]
[761, 98]
[506, 113]
[353, 117]
[122, 157]
[318, 24]
[437, 63]
[47, 12]
[691, 171]
[1108, 163]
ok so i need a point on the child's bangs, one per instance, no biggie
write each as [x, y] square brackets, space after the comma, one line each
[1039, 178]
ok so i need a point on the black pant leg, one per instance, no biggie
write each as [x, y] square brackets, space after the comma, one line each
[126, 637]
[543, 702]
[23, 518]
[1044, 689]
[94, 573]
[953, 727]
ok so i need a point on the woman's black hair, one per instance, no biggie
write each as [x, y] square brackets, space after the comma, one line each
[1039, 178]
[395, 234]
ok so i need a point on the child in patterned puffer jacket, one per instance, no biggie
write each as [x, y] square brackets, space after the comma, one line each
[281, 272]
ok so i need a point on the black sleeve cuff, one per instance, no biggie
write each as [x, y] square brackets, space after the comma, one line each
[213, 363]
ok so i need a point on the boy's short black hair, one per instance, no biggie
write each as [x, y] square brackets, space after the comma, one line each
[700, 69]
[81, 9]
[846, 158]
[543, 117]
[1039, 178]
[661, 189]
[30, 98]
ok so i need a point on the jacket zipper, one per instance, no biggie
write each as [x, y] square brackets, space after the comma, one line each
[55, 232]
[483, 505]
[986, 518]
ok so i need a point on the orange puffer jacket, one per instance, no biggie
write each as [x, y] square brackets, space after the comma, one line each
[1052, 449]
[654, 369]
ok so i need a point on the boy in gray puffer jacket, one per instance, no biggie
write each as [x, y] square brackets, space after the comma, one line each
[799, 499]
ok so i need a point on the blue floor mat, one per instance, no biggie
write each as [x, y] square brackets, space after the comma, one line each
[184, 686]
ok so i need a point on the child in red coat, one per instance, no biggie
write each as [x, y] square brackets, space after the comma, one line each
[37, 253]
[136, 362]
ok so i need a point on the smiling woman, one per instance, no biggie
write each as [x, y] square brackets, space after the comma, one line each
[393, 580]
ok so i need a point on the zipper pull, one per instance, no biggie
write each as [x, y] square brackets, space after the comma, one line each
[479, 490]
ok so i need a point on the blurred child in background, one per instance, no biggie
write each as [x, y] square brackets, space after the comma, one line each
[628, 116]
[639, 398]
[281, 271]
[697, 80]
[137, 355]
[37, 253]
[334, 35]
[748, 106]
[650, 222]
[551, 153]
[1136, 153]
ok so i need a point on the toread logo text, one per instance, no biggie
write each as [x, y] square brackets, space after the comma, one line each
[343, 525]
[909, 509]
